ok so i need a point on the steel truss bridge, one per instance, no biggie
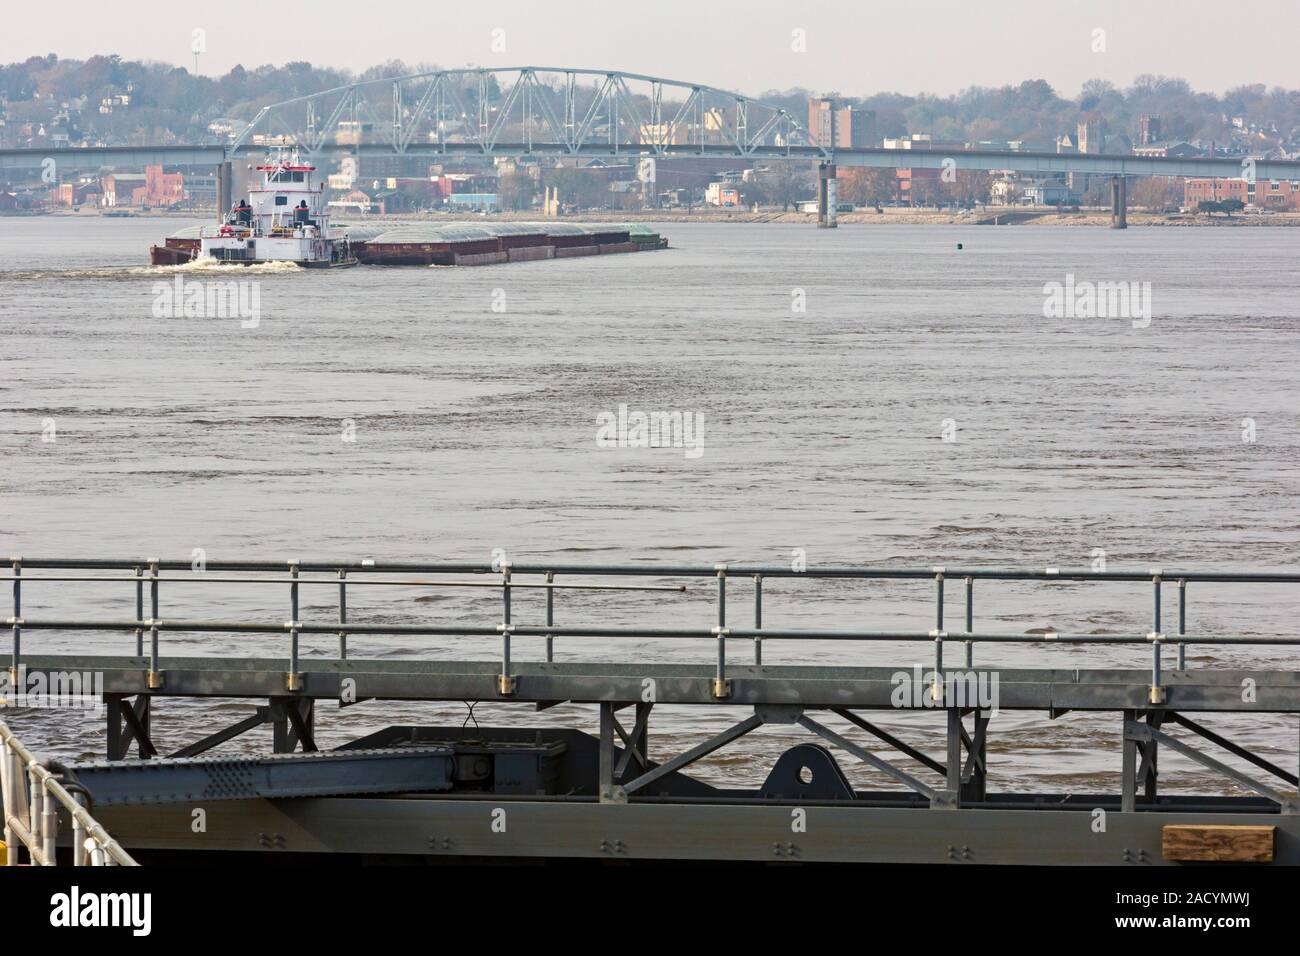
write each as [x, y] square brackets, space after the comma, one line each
[435, 791]
[581, 114]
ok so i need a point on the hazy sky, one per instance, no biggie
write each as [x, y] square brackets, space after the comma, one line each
[937, 46]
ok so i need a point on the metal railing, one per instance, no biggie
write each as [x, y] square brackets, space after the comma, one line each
[505, 577]
[31, 815]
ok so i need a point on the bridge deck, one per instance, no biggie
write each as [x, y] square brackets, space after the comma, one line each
[132, 157]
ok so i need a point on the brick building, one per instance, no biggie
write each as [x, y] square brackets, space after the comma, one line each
[118, 189]
[1279, 194]
[159, 189]
[853, 128]
[920, 185]
[1213, 190]
[75, 194]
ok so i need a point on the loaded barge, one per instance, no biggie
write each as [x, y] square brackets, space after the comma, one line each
[456, 243]
[286, 219]
[531, 789]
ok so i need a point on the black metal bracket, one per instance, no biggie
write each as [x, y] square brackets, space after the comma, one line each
[128, 722]
[1137, 733]
[293, 720]
[262, 716]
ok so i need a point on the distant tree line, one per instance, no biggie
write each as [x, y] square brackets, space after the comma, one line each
[170, 103]
[1035, 113]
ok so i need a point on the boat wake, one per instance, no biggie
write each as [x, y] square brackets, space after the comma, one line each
[206, 266]
[209, 264]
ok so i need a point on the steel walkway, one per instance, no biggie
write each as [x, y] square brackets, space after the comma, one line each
[604, 795]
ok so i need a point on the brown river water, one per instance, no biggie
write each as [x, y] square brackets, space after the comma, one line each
[475, 394]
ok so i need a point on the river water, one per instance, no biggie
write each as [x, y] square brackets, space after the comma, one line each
[827, 369]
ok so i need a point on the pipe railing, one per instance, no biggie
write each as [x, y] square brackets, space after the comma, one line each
[370, 573]
[31, 814]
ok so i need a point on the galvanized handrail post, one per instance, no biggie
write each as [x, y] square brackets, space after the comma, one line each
[6, 833]
[17, 803]
[505, 682]
[936, 690]
[721, 686]
[13, 805]
[49, 826]
[34, 805]
[720, 571]
[78, 835]
[10, 781]
[1182, 623]
[294, 681]
[1156, 578]
[1157, 695]
[936, 686]
[758, 618]
[343, 613]
[970, 620]
[938, 599]
[550, 616]
[154, 679]
[18, 629]
[139, 610]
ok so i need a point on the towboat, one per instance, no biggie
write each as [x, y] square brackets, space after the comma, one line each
[284, 219]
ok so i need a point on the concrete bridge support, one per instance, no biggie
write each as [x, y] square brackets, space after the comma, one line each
[827, 196]
[1118, 203]
[225, 178]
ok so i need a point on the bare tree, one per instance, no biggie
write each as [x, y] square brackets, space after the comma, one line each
[866, 186]
[784, 183]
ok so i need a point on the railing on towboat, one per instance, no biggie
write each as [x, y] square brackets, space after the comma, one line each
[31, 817]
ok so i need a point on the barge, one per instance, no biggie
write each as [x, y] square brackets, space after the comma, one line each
[456, 243]
[287, 219]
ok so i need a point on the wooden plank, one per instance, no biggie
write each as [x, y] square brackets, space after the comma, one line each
[1200, 843]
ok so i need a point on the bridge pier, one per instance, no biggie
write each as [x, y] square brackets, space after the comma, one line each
[225, 175]
[827, 197]
[1118, 202]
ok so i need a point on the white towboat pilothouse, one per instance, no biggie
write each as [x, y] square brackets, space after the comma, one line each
[285, 219]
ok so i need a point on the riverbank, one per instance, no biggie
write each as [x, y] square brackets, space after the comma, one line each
[993, 215]
[924, 217]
